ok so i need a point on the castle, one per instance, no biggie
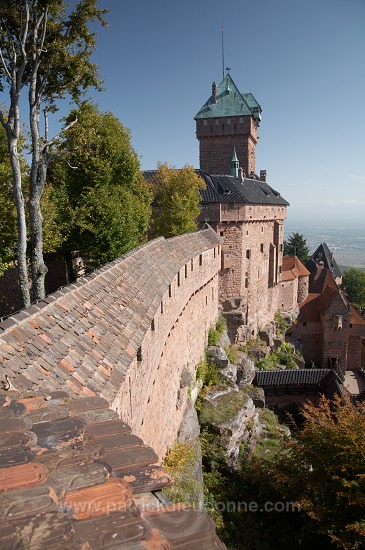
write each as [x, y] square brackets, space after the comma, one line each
[117, 351]
[245, 211]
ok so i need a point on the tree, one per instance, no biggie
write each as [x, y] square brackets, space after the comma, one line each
[8, 236]
[296, 245]
[45, 48]
[323, 470]
[177, 198]
[353, 282]
[102, 198]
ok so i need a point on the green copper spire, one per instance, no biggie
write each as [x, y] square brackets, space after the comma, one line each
[226, 100]
[234, 164]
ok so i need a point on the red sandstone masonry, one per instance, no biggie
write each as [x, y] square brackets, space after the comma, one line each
[126, 332]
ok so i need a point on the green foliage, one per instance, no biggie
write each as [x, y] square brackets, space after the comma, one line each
[177, 197]
[215, 333]
[282, 356]
[232, 353]
[281, 324]
[181, 462]
[296, 245]
[104, 202]
[353, 282]
[323, 470]
[226, 407]
[209, 372]
[8, 231]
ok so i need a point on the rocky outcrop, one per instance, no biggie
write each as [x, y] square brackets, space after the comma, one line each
[245, 370]
[231, 414]
[240, 373]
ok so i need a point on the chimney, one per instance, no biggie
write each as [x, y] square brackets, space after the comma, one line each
[214, 92]
[263, 175]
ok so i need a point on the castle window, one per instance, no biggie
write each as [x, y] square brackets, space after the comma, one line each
[217, 122]
[153, 324]
[139, 354]
[304, 323]
[192, 264]
[221, 233]
[186, 270]
[248, 254]
[170, 291]
[214, 251]
[241, 119]
[230, 206]
[205, 122]
[338, 322]
[161, 307]
[205, 207]
[178, 279]
[350, 325]
[200, 259]
[246, 282]
[228, 121]
[262, 248]
[262, 229]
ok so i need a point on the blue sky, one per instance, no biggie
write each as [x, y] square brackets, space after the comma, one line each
[302, 59]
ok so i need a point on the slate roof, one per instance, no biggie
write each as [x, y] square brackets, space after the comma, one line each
[228, 189]
[292, 268]
[70, 473]
[83, 338]
[286, 377]
[323, 254]
[230, 102]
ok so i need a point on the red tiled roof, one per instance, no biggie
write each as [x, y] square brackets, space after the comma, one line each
[83, 338]
[60, 488]
[292, 268]
[355, 317]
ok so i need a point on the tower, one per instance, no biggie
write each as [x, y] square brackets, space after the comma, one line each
[228, 120]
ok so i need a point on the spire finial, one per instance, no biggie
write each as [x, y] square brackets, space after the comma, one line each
[222, 51]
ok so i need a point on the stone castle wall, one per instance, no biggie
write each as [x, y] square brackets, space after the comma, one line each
[130, 332]
[252, 252]
[154, 395]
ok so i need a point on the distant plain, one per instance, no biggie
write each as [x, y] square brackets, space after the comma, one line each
[346, 242]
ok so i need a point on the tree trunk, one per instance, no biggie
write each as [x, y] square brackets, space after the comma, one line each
[37, 183]
[21, 222]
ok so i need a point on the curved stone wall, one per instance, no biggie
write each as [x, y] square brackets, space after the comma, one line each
[130, 332]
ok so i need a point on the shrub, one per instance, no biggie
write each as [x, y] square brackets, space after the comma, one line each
[215, 333]
[181, 462]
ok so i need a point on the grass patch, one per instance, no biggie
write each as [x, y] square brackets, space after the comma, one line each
[284, 355]
[215, 333]
[226, 407]
[232, 353]
[181, 462]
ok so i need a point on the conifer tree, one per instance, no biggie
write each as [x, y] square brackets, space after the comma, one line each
[296, 245]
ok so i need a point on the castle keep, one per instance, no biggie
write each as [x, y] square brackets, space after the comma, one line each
[228, 120]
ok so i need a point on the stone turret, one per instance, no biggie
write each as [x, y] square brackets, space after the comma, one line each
[234, 164]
